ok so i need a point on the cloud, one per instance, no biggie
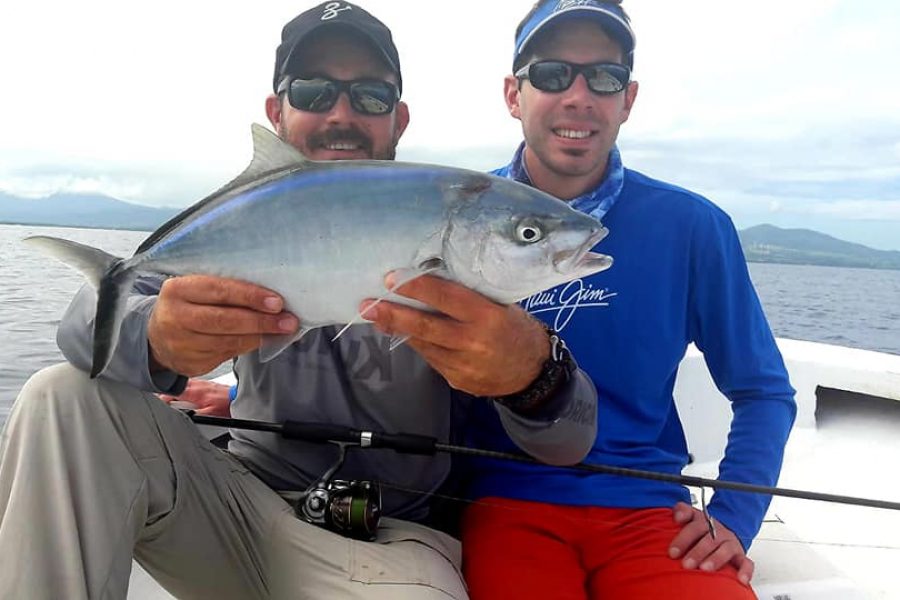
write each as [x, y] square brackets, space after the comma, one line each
[161, 183]
[788, 107]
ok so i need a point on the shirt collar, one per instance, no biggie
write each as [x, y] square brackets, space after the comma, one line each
[596, 202]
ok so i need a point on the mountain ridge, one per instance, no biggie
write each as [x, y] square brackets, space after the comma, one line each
[761, 243]
[768, 243]
[95, 211]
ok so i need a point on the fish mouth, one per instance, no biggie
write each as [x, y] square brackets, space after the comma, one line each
[581, 260]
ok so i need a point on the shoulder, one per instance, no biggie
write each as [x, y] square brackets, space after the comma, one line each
[669, 199]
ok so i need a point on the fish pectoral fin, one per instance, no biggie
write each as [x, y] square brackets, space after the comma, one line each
[273, 345]
[426, 267]
[403, 276]
[397, 341]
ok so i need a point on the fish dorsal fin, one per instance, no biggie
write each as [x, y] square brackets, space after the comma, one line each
[270, 154]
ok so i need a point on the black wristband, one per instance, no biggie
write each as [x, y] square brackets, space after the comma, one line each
[555, 373]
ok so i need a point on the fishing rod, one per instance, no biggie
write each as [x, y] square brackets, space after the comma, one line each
[353, 507]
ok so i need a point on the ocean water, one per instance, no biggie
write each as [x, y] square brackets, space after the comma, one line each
[859, 308]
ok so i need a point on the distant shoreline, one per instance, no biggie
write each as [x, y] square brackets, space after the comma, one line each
[823, 265]
[751, 255]
[36, 224]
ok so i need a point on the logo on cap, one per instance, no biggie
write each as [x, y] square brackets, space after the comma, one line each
[333, 9]
[564, 4]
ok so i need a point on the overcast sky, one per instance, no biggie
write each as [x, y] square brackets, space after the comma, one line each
[782, 112]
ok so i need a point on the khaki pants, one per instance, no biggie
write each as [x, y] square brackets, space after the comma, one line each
[93, 472]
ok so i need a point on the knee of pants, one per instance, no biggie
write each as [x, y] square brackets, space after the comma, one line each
[58, 396]
[60, 388]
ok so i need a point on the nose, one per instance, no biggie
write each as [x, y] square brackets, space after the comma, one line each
[342, 111]
[579, 95]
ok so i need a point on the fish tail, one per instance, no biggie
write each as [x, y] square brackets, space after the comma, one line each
[110, 275]
[112, 299]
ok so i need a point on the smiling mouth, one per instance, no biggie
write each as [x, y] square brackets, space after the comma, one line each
[573, 134]
[343, 146]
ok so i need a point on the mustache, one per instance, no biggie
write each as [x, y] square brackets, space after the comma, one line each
[351, 135]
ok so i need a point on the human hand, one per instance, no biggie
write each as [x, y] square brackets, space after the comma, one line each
[696, 548]
[480, 347]
[209, 397]
[200, 321]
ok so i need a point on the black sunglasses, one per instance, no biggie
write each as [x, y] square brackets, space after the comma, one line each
[558, 75]
[367, 96]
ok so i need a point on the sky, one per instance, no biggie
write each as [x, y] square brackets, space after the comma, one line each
[785, 113]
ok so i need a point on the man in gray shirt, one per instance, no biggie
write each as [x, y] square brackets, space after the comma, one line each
[93, 472]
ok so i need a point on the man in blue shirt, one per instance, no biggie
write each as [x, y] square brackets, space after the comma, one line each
[679, 278]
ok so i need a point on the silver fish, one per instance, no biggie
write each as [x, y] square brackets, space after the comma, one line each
[324, 235]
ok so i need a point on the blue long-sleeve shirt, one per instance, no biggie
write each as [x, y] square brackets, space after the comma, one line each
[679, 277]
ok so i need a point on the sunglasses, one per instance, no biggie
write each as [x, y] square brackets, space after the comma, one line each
[556, 76]
[367, 96]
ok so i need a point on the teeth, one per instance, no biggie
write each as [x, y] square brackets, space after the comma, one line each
[342, 146]
[572, 133]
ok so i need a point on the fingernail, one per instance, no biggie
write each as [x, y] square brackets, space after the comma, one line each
[287, 324]
[389, 280]
[272, 303]
[707, 566]
[674, 552]
[744, 579]
[689, 563]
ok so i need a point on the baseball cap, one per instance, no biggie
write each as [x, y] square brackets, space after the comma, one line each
[335, 14]
[609, 14]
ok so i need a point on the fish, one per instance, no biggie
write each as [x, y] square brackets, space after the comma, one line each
[323, 234]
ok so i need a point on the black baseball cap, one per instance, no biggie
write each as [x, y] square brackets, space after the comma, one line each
[335, 14]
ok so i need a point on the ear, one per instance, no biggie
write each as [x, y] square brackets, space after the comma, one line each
[631, 93]
[273, 111]
[512, 95]
[401, 120]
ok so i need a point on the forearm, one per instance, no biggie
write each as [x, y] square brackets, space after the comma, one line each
[754, 455]
[563, 430]
[129, 363]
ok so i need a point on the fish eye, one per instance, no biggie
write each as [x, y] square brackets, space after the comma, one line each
[529, 232]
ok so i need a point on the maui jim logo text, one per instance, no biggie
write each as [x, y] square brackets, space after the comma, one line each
[566, 300]
[333, 9]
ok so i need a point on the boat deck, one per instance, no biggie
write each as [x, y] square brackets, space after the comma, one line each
[846, 441]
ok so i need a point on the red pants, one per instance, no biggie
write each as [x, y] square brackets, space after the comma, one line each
[522, 550]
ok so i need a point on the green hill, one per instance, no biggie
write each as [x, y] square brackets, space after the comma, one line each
[767, 243]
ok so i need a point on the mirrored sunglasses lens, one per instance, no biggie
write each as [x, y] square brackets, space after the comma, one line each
[372, 98]
[605, 79]
[550, 76]
[313, 95]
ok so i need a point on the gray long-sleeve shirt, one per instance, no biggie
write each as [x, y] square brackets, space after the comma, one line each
[354, 381]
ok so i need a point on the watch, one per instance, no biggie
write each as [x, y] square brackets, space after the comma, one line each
[556, 371]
